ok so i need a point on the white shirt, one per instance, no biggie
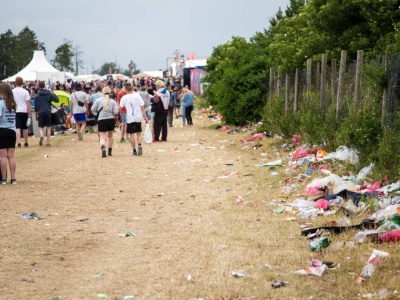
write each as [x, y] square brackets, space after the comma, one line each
[165, 97]
[133, 104]
[20, 96]
[81, 96]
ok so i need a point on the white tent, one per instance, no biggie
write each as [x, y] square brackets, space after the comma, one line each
[117, 76]
[38, 69]
[88, 77]
[155, 73]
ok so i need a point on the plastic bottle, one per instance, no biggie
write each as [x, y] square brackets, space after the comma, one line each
[28, 122]
[319, 243]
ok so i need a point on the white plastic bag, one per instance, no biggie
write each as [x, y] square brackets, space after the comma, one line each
[148, 138]
[347, 154]
[364, 172]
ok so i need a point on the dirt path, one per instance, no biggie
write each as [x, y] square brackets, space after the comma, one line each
[171, 198]
[191, 232]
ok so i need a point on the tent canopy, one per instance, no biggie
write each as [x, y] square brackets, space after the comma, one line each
[63, 98]
[38, 69]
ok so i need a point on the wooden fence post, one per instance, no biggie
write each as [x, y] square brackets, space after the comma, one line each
[318, 76]
[385, 94]
[357, 88]
[309, 74]
[342, 69]
[322, 97]
[271, 81]
[296, 91]
[287, 94]
[333, 78]
[278, 85]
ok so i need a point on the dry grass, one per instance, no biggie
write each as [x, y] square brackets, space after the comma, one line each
[186, 219]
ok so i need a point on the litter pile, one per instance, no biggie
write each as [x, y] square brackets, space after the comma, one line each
[348, 196]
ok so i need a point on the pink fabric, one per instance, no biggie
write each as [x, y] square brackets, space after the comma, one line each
[312, 190]
[322, 203]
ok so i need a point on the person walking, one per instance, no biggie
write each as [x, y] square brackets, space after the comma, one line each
[106, 110]
[188, 100]
[171, 108]
[43, 109]
[8, 135]
[135, 114]
[122, 112]
[79, 102]
[161, 99]
[22, 98]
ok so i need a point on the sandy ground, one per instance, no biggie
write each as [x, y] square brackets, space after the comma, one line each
[171, 198]
[190, 231]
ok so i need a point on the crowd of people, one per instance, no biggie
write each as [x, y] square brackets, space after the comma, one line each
[112, 103]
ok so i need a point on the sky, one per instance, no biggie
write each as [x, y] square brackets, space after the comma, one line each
[146, 32]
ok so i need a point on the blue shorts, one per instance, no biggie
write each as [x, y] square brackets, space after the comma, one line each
[80, 117]
[123, 118]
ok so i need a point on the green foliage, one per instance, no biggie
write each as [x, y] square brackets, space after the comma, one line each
[236, 77]
[106, 67]
[16, 51]
[63, 57]
[132, 69]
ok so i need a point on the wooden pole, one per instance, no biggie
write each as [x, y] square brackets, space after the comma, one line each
[357, 88]
[322, 95]
[385, 94]
[318, 76]
[271, 82]
[287, 94]
[342, 69]
[278, 85]
[309, 74]
[333, 78]
[296, 91]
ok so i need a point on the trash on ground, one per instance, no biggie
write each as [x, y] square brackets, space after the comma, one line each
[239, 273]
[373, 263]
[126, 234]
[319, 243]
[315, 271]
[279, 284]
[278, 162]
[31, 215]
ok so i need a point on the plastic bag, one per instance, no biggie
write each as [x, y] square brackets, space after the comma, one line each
[148, 137]
[344, 153]
[364, 172]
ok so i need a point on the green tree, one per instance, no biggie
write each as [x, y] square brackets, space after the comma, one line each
[132, 69]
[8, 65]
[63, 59]
[27, 43]
[104, 69]
[237, 80]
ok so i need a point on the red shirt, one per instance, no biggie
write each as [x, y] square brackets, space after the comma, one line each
[122, 110]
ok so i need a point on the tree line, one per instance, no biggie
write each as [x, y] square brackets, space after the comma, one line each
[238, 71]
[16, 51]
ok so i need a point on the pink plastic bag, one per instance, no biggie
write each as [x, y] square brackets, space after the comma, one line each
[300, 152]
[322, 203]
